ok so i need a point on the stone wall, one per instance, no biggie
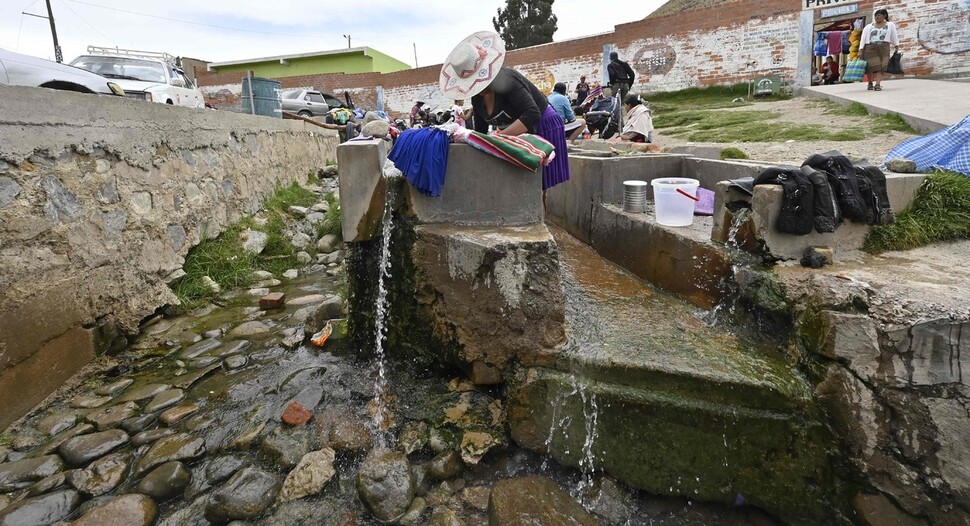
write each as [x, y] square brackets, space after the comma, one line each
[101, 198]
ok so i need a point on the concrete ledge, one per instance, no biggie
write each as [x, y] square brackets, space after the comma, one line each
[362, 188]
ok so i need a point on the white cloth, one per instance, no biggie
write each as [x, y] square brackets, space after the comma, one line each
[459, 114]
[639, 120]
[891, 35]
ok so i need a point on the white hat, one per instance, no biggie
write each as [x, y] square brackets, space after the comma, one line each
[472, 65]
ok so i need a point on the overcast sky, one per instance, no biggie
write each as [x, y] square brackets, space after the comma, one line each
[221, 30]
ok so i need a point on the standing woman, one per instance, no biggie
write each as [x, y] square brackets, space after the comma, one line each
[503, 98]
[877, 38]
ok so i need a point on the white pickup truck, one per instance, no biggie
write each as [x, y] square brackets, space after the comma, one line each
[144, 77]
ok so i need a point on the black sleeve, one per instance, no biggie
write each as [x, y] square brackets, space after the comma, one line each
[520, 101]
[611, 71]
[629, 71]
[478, 115]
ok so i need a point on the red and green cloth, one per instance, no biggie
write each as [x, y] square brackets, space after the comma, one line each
[526, 151]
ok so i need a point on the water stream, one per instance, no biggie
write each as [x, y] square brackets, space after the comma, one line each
[381, 424]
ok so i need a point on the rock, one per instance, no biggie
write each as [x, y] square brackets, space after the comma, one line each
[331, 309]
[249, 328]
[4, 501]
[308, 299]
[244, 496]
[285, 446]
[254, 241]
[293, 337]
[164, 400]
[315, 218]
[136, 424]
[901, 165]
[476, 497]
[194, 351]
[610, 501]
[303, 257]
[379, 129]
[296, 415]
[475, 444]
[525, 501]
[262, 274]
[222, 468]
[130, 510]
[878, 510]
[211, 284]
[445, 466]
[190, 379]
[413, 437]
[165, 481]
[350, 435]
[309, 476]
[182, 446]
[147, 437]
[55, 423]
[235, 362]
[53, 444]
[45, 485]
[297, 211]
[89, 402]
[327, 244]
[45, 509]
[150, 390]
[245, 439]
[192, 514]
[114, 388]
[22, 473]
[102, 476]
[273, 300]
[422, 483]
[9, 189]
[385, 484]
[412, 517]
[291, 274]
[300, 240]
[328, 171]
[231, 348]
[112, 416]
[80, 450]
[214, 333]
[175, 414]
[322, 206]
[265, 284]
[447, 517]
[334, 257]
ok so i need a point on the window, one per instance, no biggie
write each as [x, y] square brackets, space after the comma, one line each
[333, 102]
[316, 97]
[292, 94]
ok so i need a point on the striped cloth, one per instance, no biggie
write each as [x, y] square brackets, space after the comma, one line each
[854, 70]
[597, 91]
[525, 151]
[948, 148]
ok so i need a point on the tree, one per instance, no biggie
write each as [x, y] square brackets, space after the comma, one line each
[525, 23]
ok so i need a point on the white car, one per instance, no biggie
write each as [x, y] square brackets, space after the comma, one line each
[23, 70]
[145, 79]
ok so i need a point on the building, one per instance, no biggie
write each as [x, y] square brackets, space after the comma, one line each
[347, 61]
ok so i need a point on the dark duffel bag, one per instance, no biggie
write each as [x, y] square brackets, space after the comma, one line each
[797, 198]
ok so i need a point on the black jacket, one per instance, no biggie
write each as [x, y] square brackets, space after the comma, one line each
[845, 184]
[620, 71]
[797, 201]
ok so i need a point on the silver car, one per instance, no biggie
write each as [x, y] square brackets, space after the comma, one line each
[23, 70]
[309, 103]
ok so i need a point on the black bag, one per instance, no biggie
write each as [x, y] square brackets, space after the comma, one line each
[872, 187]
[895, 66]
[827, 216]
[842, 177]
[797, 198]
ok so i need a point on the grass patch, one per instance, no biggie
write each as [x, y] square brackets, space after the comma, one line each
[940, 211]
[733, 153]
[225, 261]
[331, 222]
[747, 126]
[879, 123]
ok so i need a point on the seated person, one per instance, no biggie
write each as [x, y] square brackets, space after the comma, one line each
[830, 70]
[560, 102]
[816, 77]
[638, 123]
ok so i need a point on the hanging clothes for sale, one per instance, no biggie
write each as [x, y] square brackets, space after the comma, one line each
[422, 156]
[845, 41]
[821, 47]
[835, 42]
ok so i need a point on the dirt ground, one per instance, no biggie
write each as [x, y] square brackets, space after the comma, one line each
[803, 110]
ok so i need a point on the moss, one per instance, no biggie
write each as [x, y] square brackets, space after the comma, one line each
[813, 329]
[733, 153]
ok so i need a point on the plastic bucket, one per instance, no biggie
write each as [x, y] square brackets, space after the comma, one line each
[674, 198]
[635, 196]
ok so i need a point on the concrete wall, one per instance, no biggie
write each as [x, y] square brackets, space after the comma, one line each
[100, 200]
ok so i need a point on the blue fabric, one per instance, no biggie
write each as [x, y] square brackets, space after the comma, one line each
[845, 41]
[422, 155]
[563, 107]
[948, 148]
[821, 47]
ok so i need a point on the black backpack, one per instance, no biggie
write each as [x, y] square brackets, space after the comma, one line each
[797, 198]
[872, 188]
[827, 215]
[842, 177]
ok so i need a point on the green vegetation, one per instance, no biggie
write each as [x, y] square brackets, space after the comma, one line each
[225, 261]
[881, 123]
[331, 222]
[6, 440]
[698, 98]
[733, 153]
[940, 212]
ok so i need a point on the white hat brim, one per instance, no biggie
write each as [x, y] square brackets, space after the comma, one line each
[453, 86]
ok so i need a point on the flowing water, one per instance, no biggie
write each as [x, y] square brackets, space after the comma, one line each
[380, 323]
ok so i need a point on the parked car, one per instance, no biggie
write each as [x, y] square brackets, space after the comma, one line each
[309, 103]
[23, 70]
[150, 79]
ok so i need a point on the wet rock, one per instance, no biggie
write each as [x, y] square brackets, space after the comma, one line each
[80, 450]
[89, 402]
[165, 481]
[91, 504]
[112, 416]
[273, 300]
[4, 451]
[192, 514]
[114, 388]
[422, 482]
[351, 435]
[244, 441]
[57, 422]
[412, 517]
[327, 244]
[385, 484]
[901, 165]
[222, 468]
[476, 497]
[175, 414]
[249, 328]
[475, 444]
[254, 241]
[164, 400]
[130, 510]
[307, 300]
[22, 473]
[445, 466]
[526, 501]
[214, 333]
[441, 440]
[309, 476]
[232, 348]
[26, 439]
[235, 362]
[145, 392]
[413, 437]
[203, 362]
[291, 274]
[259, 291]
[53, 444]
[177, 447]
[610, 501]
[331, 309]
[448, 517]
[45, 509]
[45, 485]
[296, 415]
[269, 283]
[285, 446]
[190, 379]
[244, 496]
[102, 476]
[147, 437]
[136, 424]
[197, 350]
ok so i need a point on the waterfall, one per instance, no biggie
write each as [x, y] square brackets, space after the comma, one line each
[380, 321]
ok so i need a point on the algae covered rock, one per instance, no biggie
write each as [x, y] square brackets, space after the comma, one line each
[386, 485]
[527, 501]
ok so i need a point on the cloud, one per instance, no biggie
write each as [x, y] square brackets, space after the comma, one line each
[261, 28]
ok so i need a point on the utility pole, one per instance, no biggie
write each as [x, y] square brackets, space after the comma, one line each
[348, 40]
[57, 47]
[415, 45]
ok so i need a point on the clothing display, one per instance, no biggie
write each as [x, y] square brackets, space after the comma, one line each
[422, 156]
[835, 42]
[845, 41]
[821, 47]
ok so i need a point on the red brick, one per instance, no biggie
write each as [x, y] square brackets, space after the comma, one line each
[273, 300]
[296, 415]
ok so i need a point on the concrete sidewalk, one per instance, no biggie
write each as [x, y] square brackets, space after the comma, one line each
[927, 105]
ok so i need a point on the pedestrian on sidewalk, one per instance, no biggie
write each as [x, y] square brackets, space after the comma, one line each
[503, 98]
[877, 38]
[621, 76]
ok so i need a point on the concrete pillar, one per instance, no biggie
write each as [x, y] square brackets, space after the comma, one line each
[362, 188]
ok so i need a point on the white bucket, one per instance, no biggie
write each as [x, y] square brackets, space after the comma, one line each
[674, 198]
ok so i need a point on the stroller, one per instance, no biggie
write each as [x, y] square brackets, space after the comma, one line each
[604, 115]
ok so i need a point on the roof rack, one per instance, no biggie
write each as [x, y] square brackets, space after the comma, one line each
[134, 53]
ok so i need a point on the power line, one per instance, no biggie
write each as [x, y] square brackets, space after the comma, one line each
[69, 8]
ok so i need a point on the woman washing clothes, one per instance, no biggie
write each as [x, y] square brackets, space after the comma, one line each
[876, 39]
[503, 98]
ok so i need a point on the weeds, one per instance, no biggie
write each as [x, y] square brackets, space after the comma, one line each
[733, 153]
[331, 221]
[940, 211]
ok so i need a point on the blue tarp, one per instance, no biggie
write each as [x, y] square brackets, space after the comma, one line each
[948, 148]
